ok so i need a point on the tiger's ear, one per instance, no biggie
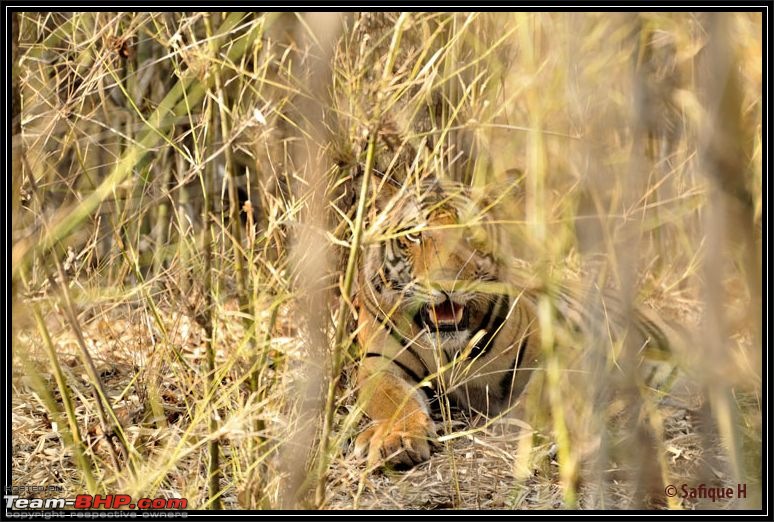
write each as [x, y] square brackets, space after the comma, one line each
[507, 188]
[346, 192]
[393, 160]
[381, 188]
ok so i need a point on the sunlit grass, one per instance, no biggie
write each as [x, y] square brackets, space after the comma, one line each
[191, 182]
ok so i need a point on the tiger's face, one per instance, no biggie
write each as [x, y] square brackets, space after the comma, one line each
[433, 272]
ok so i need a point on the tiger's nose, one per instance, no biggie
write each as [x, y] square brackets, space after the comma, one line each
[439, 296]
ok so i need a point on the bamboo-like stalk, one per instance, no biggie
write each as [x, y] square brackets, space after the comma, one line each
[163, 215]
[135, 157]
[311, 255]
[725, 153]
[16, 136]
[530, 37]
[339, 349]
[72, 437]
[17, 150]
[184, 242]
[233, 199]
[106, 413]
[214, 472]
[652, 474]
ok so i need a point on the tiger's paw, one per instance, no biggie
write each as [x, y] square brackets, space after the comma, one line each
[402, 444]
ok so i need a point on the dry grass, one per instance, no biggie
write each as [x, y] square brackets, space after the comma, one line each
[184, 222]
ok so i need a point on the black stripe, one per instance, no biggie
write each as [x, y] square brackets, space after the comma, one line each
[506, 384]
[405, 343]
[389, 254]
[430, 395]
[492, 326]
[411, 373]
[418, 321]
[522, 349]
[653, 331]
[487, 317]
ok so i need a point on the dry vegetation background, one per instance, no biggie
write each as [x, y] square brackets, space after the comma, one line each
[183, 216]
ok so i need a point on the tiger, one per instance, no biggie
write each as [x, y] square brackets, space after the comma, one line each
[439, 316]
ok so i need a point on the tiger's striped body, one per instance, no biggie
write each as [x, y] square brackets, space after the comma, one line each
[439, 313]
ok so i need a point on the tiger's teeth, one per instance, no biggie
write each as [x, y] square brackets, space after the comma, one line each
[434, 316]
[446, 314]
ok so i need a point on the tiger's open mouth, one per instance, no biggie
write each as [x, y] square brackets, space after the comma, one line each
[446, 316]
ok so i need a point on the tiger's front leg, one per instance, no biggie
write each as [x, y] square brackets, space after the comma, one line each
[402, 430]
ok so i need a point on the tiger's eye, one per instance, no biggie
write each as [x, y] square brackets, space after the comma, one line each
[414, 236]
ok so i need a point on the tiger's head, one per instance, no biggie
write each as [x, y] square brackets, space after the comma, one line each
[431, 264]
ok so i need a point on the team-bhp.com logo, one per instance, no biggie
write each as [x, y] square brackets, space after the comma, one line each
[713, 493]
[94, 502]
